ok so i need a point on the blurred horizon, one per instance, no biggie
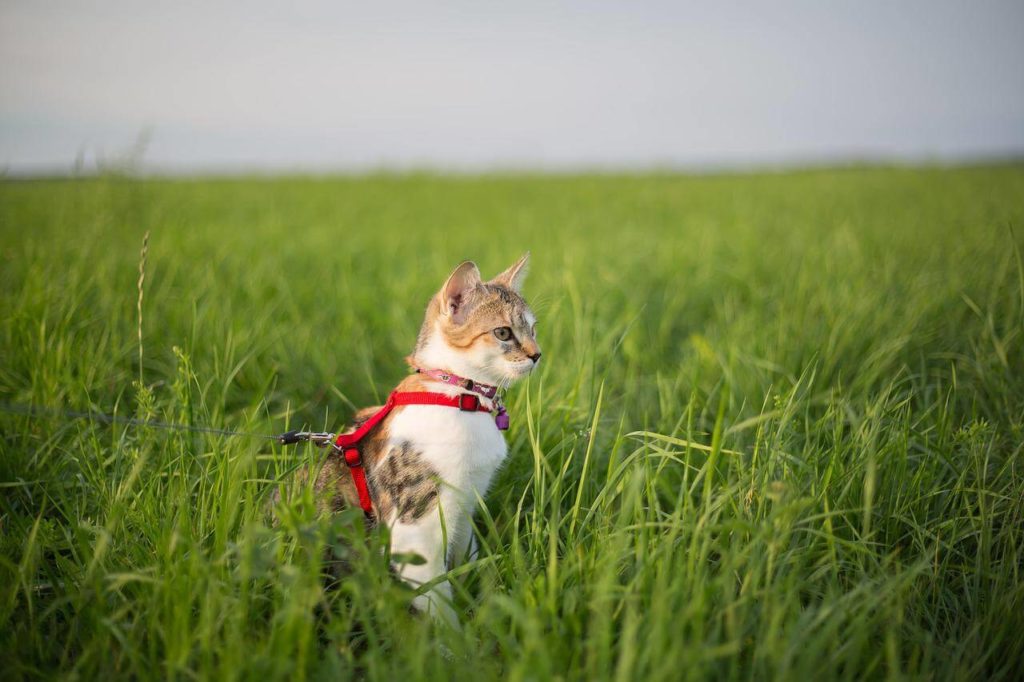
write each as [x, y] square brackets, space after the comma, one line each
[210, 88]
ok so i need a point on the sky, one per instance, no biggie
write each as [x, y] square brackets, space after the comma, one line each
[274, 86]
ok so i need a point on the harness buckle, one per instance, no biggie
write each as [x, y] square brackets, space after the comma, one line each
[353, 458]
[469, 402]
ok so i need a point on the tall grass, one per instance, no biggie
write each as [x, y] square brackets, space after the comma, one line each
[777, 432]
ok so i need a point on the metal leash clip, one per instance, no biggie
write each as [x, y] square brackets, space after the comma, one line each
[319, 438]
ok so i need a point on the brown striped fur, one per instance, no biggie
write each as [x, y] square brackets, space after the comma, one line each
[335, 490]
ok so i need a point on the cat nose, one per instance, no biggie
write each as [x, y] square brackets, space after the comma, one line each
[535, 357]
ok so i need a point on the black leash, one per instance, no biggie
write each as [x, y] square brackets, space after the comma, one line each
[320, 438]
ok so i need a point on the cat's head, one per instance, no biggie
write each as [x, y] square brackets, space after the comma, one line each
[482, 331]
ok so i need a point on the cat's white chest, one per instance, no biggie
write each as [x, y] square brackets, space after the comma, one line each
[465, 449]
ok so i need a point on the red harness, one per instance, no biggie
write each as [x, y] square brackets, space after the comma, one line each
[348, 443]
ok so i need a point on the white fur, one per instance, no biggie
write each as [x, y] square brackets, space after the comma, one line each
[531, 320]
[465, 449]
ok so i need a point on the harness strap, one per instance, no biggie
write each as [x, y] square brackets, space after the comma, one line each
[348, 443]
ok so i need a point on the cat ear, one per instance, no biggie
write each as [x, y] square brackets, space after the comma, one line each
[514, 277]
[457, 289]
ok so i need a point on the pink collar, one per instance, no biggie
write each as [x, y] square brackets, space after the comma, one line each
[455, 380]
[485, 390]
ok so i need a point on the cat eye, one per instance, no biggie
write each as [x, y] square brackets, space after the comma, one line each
[503, 333]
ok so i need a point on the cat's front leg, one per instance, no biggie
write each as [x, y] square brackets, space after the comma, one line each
[425, 538]
[467, 549]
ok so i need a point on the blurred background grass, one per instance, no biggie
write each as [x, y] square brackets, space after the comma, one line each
[777, 431]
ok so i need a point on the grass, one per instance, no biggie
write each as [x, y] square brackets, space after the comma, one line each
[777, 432]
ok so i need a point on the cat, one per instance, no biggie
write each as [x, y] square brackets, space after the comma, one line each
[425, 461]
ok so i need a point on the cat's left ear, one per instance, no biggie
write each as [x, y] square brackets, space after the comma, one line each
[456, 292]
[514, 277]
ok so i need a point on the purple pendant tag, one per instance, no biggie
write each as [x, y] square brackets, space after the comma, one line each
[501, 419]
